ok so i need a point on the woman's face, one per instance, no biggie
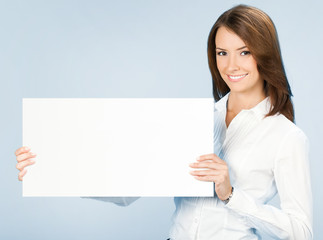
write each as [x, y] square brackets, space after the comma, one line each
[235, 63]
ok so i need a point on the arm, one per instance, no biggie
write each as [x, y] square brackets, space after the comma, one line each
[292, 176]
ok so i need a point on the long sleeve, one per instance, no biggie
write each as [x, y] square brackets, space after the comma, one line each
[292, 177]
[120, 201]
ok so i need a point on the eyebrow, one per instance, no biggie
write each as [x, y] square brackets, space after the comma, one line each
[237, 49]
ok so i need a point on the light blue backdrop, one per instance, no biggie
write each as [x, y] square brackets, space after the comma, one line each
[130, 49]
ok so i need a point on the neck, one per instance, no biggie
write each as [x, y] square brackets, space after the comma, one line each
[240, 101]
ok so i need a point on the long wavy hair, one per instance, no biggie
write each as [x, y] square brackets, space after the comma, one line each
[259, 34]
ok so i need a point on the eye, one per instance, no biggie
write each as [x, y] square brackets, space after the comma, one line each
[245, 53]
[221, 53]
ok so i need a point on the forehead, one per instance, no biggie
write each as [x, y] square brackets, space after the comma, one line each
[227, 39]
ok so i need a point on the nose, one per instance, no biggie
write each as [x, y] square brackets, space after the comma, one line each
[233, 64]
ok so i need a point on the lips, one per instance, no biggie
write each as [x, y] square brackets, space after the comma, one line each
[236, 78]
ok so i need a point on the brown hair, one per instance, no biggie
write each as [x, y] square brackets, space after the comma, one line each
[258, 32]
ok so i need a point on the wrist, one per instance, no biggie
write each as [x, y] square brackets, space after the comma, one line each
[225, 201]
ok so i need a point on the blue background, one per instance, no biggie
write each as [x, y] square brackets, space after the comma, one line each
[130, 49]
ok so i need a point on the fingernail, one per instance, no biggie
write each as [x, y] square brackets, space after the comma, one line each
[27, 148]
[32, 161]
[32, 154]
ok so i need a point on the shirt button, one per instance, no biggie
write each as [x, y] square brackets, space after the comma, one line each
[196, 220]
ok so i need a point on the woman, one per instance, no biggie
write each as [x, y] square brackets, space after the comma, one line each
[259, 151]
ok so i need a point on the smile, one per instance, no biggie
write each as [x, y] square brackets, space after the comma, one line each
[236, 78]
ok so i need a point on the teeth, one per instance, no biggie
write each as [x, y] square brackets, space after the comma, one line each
[237, 77]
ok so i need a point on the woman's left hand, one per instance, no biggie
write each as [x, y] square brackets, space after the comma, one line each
[216, 170]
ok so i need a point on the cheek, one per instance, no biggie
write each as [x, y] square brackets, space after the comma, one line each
[249, 65]
[220, 65]
[253, 65]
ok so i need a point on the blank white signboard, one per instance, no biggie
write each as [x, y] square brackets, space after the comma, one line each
[116, 147]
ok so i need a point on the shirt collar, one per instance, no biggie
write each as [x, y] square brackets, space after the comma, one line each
[260, 110]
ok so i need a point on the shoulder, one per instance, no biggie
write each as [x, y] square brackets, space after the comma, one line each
[291, 140]
[285, 128]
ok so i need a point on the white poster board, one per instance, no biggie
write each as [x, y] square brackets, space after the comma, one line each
[116, 147]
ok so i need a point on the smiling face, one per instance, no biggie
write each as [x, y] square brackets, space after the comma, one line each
[236, 65]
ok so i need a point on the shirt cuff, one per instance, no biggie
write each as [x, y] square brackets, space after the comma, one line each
[241, 203]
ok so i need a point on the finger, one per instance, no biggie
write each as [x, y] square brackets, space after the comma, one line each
[205, 172]
[205, 157]
[25, 156]
[205, 178]
[213, 157]
[211, 165]
[22, 174]
[22, 150]
[21, 165]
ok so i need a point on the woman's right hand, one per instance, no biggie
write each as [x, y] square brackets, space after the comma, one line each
[24, 158]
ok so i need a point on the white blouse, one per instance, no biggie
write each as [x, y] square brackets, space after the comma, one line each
[265, 156]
